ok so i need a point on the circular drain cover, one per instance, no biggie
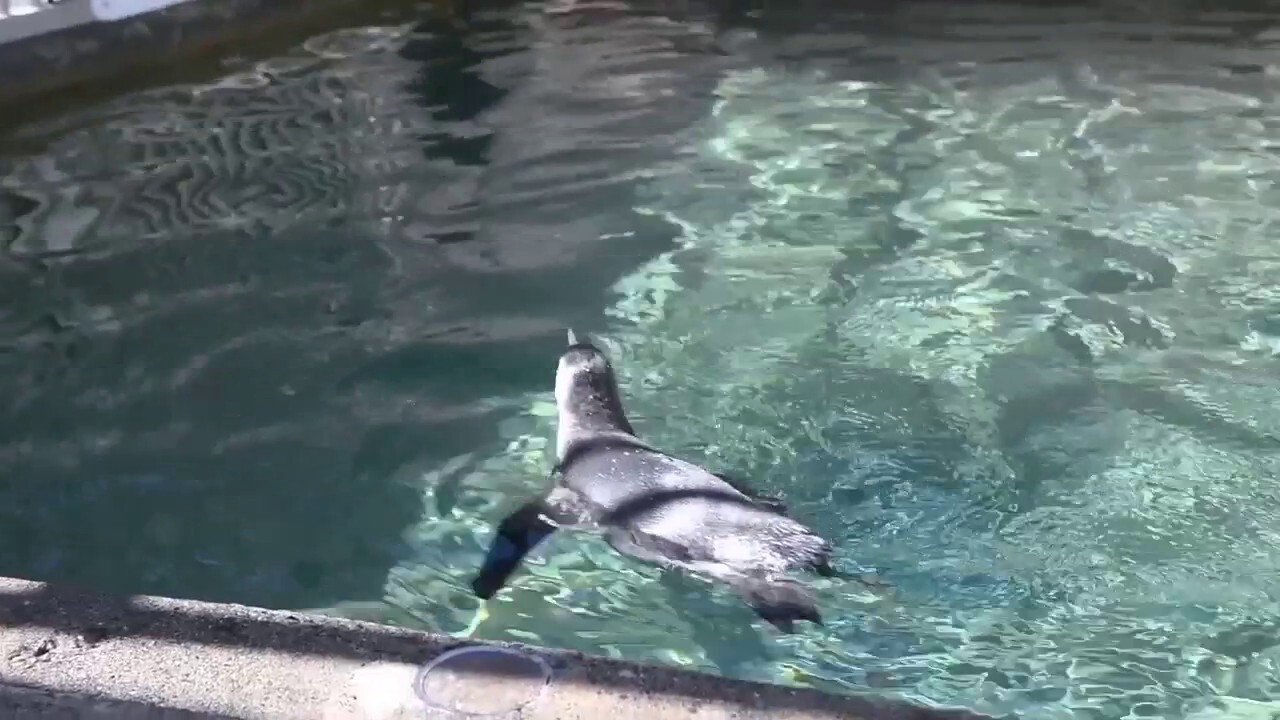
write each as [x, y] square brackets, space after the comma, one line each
[482, 681]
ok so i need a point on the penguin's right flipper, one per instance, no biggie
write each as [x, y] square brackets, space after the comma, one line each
[517, 535]
[871, 581]
[779, 602]
[769, 501]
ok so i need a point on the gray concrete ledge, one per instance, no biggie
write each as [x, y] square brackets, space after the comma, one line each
[68, 652]
[87, 53]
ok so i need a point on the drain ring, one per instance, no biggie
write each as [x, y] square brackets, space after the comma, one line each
[482, 681]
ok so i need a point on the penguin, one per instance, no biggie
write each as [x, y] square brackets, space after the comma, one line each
[655, 507]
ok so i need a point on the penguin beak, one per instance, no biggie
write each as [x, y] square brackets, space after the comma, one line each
[573, 337]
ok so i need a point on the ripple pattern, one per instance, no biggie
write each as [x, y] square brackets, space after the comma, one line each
[240, 319]
[989, 308]
[991, 303]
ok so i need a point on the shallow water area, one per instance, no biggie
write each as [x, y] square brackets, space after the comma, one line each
[984, 292]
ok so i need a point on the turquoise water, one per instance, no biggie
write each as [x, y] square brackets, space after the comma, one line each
[991, 304]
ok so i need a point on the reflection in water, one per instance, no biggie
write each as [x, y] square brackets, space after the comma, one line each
[237, 319]
[990, 302]
[193, 267]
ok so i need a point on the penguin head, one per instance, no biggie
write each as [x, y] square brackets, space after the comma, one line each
[587, 392]
[584, 372]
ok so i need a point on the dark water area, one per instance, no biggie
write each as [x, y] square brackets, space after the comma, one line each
[229, 310]
[984, 291]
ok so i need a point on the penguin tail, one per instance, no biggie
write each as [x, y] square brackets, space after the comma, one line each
[779, 602]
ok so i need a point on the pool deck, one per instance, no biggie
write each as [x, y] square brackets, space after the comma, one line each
[67, 652]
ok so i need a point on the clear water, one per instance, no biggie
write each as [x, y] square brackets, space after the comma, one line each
[991, 303]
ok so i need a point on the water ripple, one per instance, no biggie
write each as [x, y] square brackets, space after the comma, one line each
[990, 308]
[242, 316]
[988, 302]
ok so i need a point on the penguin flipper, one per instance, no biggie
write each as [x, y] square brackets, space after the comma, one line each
[625, 543]
[871, 581]
[779, 602]
[772, 503]
[824, 569]
[516, 536]
[521, 531]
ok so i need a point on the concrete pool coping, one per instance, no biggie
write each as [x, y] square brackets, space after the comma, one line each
[87, 57]
[86, 654]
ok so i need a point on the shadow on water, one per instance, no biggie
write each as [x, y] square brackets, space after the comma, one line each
[234, 313]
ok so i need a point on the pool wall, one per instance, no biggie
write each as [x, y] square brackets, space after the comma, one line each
[85, 654]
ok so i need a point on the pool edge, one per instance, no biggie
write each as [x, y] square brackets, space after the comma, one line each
[106, 656]
[81, 55]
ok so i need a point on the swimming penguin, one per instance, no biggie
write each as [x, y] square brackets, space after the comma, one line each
[656, 507]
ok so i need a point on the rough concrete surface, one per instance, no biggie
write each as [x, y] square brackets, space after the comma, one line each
[67, 652]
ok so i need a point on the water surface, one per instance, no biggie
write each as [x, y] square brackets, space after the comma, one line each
[237, 317]
[989, 302]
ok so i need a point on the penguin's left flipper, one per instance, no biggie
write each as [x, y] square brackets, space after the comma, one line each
[517, 535]
[521, 531]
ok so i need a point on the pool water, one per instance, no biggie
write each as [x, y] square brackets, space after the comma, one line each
[985, 293]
